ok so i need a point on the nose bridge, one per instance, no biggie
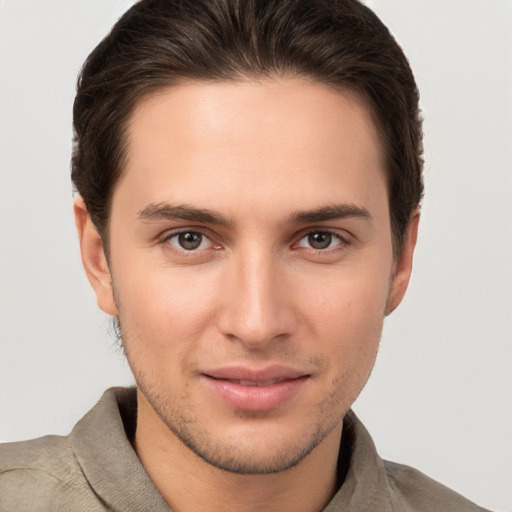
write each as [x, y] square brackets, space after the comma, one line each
[254, 307]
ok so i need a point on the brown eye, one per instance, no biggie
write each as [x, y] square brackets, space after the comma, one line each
[320, 240]
[190, 240]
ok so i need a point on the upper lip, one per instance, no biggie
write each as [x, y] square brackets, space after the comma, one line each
[273, 372]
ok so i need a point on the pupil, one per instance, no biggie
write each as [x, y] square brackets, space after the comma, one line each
[320, 240]
[190, 241]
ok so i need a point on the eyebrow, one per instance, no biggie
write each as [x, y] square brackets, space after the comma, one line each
[330, 212]
[166, 211]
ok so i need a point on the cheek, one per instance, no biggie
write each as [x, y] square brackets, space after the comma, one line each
[161, 308]
[347, 320]
[354, 301]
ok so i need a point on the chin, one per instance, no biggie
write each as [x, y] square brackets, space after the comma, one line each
[254, 459]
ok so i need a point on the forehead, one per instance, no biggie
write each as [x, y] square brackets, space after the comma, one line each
[252, 140]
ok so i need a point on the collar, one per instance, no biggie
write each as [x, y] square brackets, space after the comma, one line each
[107, 459]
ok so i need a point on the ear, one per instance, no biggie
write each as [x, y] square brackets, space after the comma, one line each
[403, 265]
[93, 258]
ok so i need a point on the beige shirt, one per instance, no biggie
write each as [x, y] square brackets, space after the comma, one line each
[95, 469]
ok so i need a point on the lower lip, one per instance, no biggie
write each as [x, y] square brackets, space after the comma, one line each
[255, 398]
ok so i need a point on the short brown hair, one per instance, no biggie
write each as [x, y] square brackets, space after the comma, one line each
[158, 43]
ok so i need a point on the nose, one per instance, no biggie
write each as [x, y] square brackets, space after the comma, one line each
[256, 307]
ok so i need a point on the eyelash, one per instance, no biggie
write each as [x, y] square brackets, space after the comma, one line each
[166, 240]
[343, 242]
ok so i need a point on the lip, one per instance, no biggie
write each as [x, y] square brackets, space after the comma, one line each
[255, 390]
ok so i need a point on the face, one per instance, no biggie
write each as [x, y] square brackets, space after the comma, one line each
[251, 265]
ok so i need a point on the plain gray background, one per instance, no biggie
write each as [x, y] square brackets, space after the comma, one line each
[440, 395]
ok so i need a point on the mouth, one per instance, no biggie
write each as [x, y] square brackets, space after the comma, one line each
[247, 389]
[255, 382]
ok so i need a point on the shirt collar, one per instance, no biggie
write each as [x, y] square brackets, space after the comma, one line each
[107, 459]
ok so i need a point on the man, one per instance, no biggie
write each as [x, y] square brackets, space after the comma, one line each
[249, 183]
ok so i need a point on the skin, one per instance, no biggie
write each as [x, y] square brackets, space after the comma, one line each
[275, 280]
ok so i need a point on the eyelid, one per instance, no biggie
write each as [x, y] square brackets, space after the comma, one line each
[168, 235]
[344, 239]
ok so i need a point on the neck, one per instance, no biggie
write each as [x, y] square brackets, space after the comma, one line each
[188, 483]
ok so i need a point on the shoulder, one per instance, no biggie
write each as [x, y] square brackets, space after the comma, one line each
[43, 453]
[42, 475]
[416, 491]
[372, 483]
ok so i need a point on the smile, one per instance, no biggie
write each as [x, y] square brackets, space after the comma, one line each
[257, 383]
[255, 390]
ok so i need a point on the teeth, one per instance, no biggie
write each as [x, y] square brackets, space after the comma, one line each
[259, 383]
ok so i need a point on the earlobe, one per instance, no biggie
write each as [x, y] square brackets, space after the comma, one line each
[93, 258]
[403, 267]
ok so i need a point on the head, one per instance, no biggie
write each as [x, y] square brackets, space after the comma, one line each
[251, 175]
[156, 44]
